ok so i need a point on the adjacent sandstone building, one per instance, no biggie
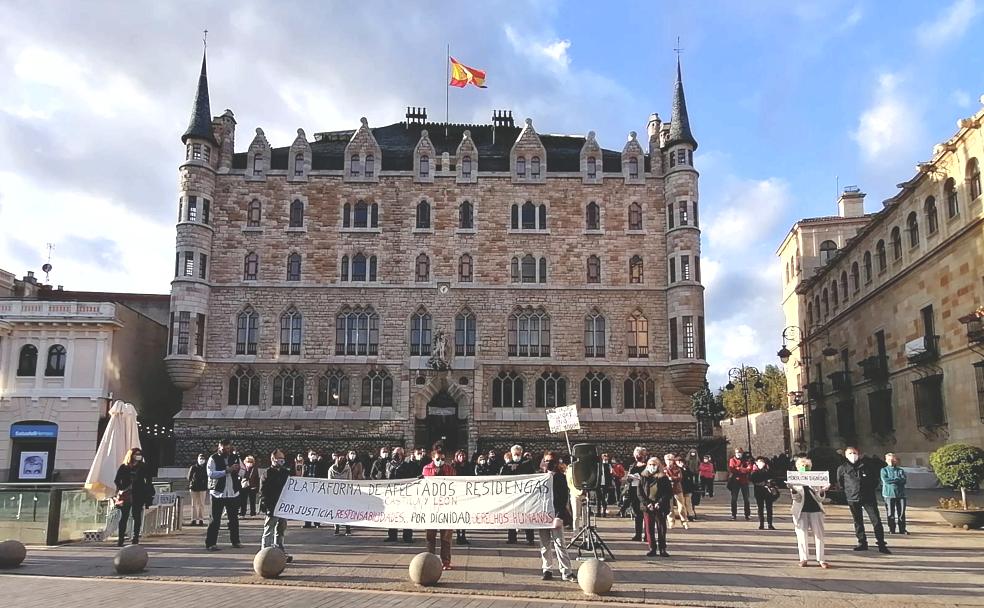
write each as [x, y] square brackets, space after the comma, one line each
[423, 282]
[887, 351]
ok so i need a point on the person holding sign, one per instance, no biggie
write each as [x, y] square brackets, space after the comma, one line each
[274, 480]
[517, 465]
[553, 550]
[439, 467]
[808, 515]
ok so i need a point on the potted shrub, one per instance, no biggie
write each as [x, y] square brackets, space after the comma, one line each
[959, 465]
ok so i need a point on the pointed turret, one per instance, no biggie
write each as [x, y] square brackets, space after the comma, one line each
[200, 126]
[679, 121]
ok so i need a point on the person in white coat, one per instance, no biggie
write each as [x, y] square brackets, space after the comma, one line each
[808, 515]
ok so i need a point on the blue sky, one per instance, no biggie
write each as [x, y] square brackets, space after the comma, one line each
[785, 98]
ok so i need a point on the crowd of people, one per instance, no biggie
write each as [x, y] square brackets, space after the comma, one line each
[657, 492]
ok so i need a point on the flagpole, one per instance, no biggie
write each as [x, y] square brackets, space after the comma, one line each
[447, 93]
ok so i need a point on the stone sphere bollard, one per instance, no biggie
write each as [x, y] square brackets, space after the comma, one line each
[595, 577]
[426, 569]
[270, 562]
[12, 553]
[130, 559]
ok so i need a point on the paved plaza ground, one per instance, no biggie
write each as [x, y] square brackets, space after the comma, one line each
[716, 563]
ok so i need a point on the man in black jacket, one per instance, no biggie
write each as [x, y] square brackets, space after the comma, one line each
[224, 485]
[198, 489]
[400, 468]
[517, 465]
[859, 478]
[274, 480]
[553, 549]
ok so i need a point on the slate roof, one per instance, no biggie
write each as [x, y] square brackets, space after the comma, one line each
[397, 142]
[679, 120]
[200, 125]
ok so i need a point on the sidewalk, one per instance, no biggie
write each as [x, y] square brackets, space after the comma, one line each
[717, 562]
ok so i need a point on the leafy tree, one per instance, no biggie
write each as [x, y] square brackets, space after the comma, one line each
[772, 396]
[706, 406]
[959, 465]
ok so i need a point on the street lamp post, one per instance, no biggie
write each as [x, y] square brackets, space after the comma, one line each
[743, 375]
[794, 335]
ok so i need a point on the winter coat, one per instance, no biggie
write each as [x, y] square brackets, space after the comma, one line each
[859, 481]
[656, 491]
[462, 468]
[688, 481]
[561, 497]
[893, 482]
[706, 470]
[523, 467]
[197, 478]
[251, 477]
[137, 483]
[404, 469]
[378, 470]
[482, 470]
[357, 469]
[675, 474]
[314, 469]
[340, 473]
[432, 470]
[738, 470]
[274, 480]
[798, 500]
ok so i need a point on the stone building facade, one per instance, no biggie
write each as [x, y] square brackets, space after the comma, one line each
[423, 282]
[889, 352]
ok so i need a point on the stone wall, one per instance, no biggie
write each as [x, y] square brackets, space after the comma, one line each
[770, 435]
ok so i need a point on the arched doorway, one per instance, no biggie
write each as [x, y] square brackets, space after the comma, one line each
[443, 424]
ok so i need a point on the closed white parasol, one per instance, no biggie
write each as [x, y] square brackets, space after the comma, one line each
[121, 434]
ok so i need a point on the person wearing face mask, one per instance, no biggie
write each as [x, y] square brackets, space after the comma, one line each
[893, 491]
[198, 489]
[707, 473]
[516, 465]
[439, 467]
[274, 480]
[461, 467]
[134, 491]
[224, 485]
[341, 470]
[378, 469]
[632, 487]
[299, 465]
[655, 492]
[739, 468]
[483, 468]
[399, 468]
[494, 462]
[808, 516]
[313, 468]
[763, 484]
[859, 479]
[553, 550]
[675, 475]
[606, 483]
[688, 483]
[354, 463]
[251, 486]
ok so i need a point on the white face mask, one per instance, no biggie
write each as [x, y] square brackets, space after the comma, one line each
[280, 462]
[438, 463]
[760, 465]
[852, 458]
[481, 463]
[651, 469]
[201, 461]
[738, 454]
[137, 458]
[385, 455]
[312, 457]
[351, 456]
[517, 458]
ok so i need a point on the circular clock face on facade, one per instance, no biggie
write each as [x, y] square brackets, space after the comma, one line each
[443, 289]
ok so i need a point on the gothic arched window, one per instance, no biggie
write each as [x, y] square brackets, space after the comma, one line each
[247, 332]
[594, 335]
[420, 334]
[594, 269]
[290, 332]
[423, 215]
[635, 216]
[638, 336]
[244, 388]
[551, 390]
[357, 332]
[507, 390]
[294, 267]
[639, 392]
[529, 333]
[377, 389]
[596, 391]
[296, 214]
[464, 334]
[333, 389]
[592, 216]
[288, 388]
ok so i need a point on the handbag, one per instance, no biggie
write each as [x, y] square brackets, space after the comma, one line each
[123, 498]
[773, 489]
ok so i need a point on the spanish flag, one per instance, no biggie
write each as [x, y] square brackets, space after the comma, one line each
[462, 75]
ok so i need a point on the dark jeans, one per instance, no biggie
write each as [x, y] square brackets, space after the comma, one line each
[872, 510]
[407, 535]
[763, 500]
[734, 500]
[231, 507]
[895, 514]
[707, 486]
[127, 511]
[636, 509]
[248, 495]
[655, 522]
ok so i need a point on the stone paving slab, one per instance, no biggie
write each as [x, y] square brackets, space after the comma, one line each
[716, 563]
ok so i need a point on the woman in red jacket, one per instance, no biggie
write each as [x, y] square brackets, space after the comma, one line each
[739, 468]
[707, 472]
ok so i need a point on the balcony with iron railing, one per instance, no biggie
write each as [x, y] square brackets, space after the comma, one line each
[923, 350]
[814, 390]
[841, 381]
[875, 368]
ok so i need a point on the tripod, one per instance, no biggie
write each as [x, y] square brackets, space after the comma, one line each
[587, 538]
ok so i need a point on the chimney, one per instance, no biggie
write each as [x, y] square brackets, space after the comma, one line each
[851, 202]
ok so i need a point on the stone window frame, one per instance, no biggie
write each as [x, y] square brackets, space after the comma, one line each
[347, 216]
[294, 259]
[514, 342]
[296, 207]
[517, 269]
[540, 386]
[278, 386]
[57, 359]
[593, 270]
[632, 333]
[642, 219]
[346, 267]
[467, 348]
[516, 385]
[423, 270]
[430, 208]
[339, 381]
[595, 322]
[347, 325]
[462, 277]
[291, 327]
[637, 261]
[932, 216]
[541, 218]
[633, 380]
[420, 332]
[912, 229]
[27, 359]
[470, 200]
[247, 330]
[254, 207]
[599, 227]
[589, 382]
[247, 261]
[367, 398]
[254, 384]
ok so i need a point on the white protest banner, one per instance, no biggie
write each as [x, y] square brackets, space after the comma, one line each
[563, 419]
[473, 503]
[815, 479]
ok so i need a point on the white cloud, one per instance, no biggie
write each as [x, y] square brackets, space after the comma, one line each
[553, 50]
[853, 18]
[949, 26]
[889, 129]
[748, 212]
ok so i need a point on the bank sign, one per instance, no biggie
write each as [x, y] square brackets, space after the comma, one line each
[34, 431]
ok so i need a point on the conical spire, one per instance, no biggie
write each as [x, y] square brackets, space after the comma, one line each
[200, 125]
[679, 121]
